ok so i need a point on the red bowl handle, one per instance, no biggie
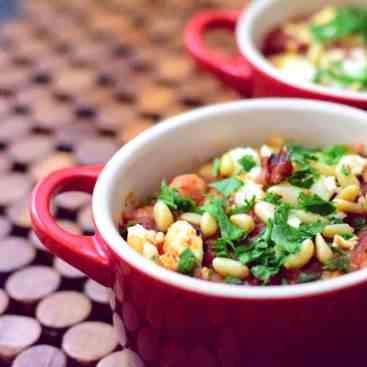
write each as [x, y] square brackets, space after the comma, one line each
[83, 252]
[232, 70]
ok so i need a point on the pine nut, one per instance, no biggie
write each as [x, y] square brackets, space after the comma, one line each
[349, 193]
[162, 215]
[227, 166]
[332, 229]
[288, 193]
[264, 210]
[229, 267]
[348, 206]
[243, 221]
[300, 259]
[192, 218]
[323, 250]
[208, 225]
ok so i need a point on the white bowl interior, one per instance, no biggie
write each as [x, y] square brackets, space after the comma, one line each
[180, 144]
[261, 18]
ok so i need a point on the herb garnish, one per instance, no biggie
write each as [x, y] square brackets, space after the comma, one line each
[245, 208]
[273, 198]
[340, 263]
[304, 178]
[349, 20]
[301, 155]
[173, 199]
[227, 186]
[315, 204]
[247, 162]
[305, 277]
[216, 167]
[187, 262]
[332, 154]
[232, 280]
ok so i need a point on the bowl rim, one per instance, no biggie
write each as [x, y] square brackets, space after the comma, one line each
[256, 58]
[109, 233]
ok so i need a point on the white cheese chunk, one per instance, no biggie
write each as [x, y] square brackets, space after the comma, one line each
[247, 192]
[325, 187]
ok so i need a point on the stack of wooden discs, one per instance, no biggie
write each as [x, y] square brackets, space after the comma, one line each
[78, 80]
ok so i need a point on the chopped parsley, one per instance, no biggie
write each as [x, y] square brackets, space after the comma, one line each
[340, 263]
[332, 155]
[304, 178]
[305, 277]
[301, 155]
[315, 204]
[349, 20]
[273, 198]
[187, 262]
[245, 208]
[227, 186]
[216, 167]
[247, 162]
[269, 250]
[347, 235]
[345, 170]
[232, 280]
[358, 223]
[228, 231]
[173, 199]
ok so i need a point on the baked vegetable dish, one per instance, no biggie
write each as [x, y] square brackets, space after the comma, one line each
[327, 48]
[279, 214]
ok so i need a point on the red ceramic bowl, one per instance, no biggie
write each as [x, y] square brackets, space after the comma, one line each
[250, 73]
[174, 320]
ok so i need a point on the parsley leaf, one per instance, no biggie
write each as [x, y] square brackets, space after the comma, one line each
[347, 235]
[245, 208]
[332, 154]
[216, 167]
[229, 232]
[301, 155]
[305, 277]
[247, 162]
[173, 199]
[345, 171]
[340, 263]
[232, 280]
[304, 178]
[349, 20]
[273, 198]
[187, 262]
[227, 186]
[315, 204]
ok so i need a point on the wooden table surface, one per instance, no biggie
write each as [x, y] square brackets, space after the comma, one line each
[77, 81]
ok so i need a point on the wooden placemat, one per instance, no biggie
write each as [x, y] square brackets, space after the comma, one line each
[77, 81]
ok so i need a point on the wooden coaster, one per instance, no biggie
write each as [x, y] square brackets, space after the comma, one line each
[63, 309]
[15, 252]
[89, 341]
[17, 333]
[126, 357]
[66, 270]
[96, 292]
[20, 187]
[32, 283]
[41, 356]
[4, 301]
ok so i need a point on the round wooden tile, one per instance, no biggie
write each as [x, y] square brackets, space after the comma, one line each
[17, 333]
[96, 292]
[130, 132]
[85, 220]
[72, 200]
[5, 163]
[4, 301]
[20, 186]
[123, 358]
[89, 341]
[5, 227]
[34, 240]
[93, 151]
[63, 309]
[31, 149]
[41, 356]
[19, 214]
[32, 283]
[66, 270]
[15, 253]
[13, 127]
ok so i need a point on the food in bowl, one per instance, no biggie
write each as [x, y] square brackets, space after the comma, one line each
[279, 214]
[328, 48]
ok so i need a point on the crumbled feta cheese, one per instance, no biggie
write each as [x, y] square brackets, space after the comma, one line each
[247, 192]
[294, 221]
[266, 151]
[354, 163]
[325, 187]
